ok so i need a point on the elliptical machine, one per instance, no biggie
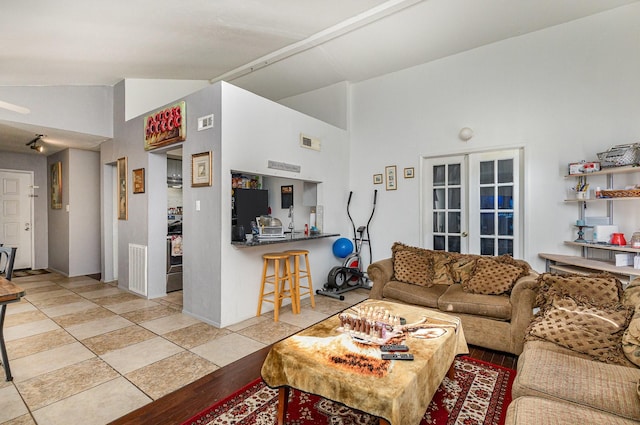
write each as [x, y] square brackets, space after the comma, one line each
[351, 275]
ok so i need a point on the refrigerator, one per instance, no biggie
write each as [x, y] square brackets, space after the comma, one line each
[247, 205]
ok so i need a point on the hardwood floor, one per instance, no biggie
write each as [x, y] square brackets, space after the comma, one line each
[182, 404]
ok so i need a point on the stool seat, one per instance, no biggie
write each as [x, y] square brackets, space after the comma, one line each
[298, 274]
[281, 277]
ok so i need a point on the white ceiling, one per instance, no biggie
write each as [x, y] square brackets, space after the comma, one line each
[276, 48]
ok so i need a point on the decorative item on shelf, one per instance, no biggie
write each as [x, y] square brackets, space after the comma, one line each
[620, 155]
[635, 240]
[626, 193]
[618, 239]
[583, 167]
[580, 224]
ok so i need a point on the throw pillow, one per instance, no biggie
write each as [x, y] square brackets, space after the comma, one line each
[442, 261]
[491, 277]
[412, 265]
[599, 289]
[462, 267]
[631, 340]
[576, 324]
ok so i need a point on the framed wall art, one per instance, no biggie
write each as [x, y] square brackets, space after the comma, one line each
[390, 172]
[138, 180]
[201, 169]
[56, 185]
[377, 179]
[408, 173]
[123, 213]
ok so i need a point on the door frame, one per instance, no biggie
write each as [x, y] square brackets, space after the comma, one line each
[32, 195]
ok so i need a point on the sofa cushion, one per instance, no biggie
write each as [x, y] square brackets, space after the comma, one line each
[540, 411]
[599, 289]
[554, 375]
[456, 300]
[492, 277]
[631, 339]
[583, 327]
[414, 294]
[412, 265]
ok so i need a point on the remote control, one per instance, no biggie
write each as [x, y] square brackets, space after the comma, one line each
[394, 347]
[397, 356]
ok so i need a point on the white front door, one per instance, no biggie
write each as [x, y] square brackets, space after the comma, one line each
[16, 206]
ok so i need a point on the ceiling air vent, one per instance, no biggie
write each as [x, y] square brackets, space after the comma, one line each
[309, 142]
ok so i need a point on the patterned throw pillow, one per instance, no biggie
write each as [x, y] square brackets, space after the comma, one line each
[598, 289]
[412, 265]
[442, 261]
[631, 340]
[595, 330]
[491, 277]
[462, 267]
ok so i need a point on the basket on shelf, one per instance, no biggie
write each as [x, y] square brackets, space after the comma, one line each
[620, 155]
[628, 193]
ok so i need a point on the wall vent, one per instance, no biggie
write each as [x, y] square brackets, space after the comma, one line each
[309, 142]
[138, 269]
[205, 122]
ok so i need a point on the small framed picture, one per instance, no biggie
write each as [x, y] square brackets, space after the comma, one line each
[408, 173]
[138, 180]
[201, 169]
[56, 185]
[123, 212]
[390, 172]
[377, 179]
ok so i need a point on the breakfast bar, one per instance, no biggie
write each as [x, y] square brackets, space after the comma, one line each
[296, 237]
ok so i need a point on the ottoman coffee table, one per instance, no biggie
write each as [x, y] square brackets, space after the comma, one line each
[340, 360]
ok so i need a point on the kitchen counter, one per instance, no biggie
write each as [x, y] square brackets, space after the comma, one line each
[297, 237]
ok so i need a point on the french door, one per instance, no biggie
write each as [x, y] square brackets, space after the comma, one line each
[472, 203]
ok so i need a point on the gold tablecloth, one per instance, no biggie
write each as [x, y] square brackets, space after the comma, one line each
[323, 361]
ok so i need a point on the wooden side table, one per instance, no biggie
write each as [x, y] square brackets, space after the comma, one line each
[9, 293]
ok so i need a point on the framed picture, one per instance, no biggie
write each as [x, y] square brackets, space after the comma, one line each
[390, 172]
[138, 180]
[201, 169]
[408, 173]
[377, 179]
[286, 196]
[122, 189]
[56, 186]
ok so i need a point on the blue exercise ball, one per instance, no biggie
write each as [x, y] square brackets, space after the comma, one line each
[342, 247]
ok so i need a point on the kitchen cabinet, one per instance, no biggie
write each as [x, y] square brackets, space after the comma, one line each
[585, 263]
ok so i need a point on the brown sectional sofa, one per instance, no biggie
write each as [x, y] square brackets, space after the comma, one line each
[437, 279]
[583, 385]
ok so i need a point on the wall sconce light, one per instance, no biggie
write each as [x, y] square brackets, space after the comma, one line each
[34, 143]
[465, 134]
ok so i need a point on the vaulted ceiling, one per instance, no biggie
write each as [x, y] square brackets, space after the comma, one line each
[276, 48]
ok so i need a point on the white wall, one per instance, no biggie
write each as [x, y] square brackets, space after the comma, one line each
[329, 104]
[144, 95]
[564, 93]
[255, 130]
[84, 212]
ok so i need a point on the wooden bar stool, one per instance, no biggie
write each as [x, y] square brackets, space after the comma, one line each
[299, 274]
[281, 275]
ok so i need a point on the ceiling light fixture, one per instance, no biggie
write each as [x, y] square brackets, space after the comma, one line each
[34, 143]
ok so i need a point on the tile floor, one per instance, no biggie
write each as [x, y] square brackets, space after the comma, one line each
[85, 352]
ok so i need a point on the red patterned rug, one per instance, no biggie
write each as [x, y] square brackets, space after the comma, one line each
[480, 394]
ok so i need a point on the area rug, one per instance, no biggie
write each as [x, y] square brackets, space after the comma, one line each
[480, 394]
[26, 272]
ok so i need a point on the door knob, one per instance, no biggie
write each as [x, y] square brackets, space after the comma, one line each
[464, 234]
[27, 226]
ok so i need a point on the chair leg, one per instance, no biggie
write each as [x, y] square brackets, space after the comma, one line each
[277, 300]
[264, 278]
[308, 271]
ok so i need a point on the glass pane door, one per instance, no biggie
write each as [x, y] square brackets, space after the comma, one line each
[444, 212]
[494, 202]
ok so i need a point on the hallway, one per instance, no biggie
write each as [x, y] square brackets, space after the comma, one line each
[86, 352]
